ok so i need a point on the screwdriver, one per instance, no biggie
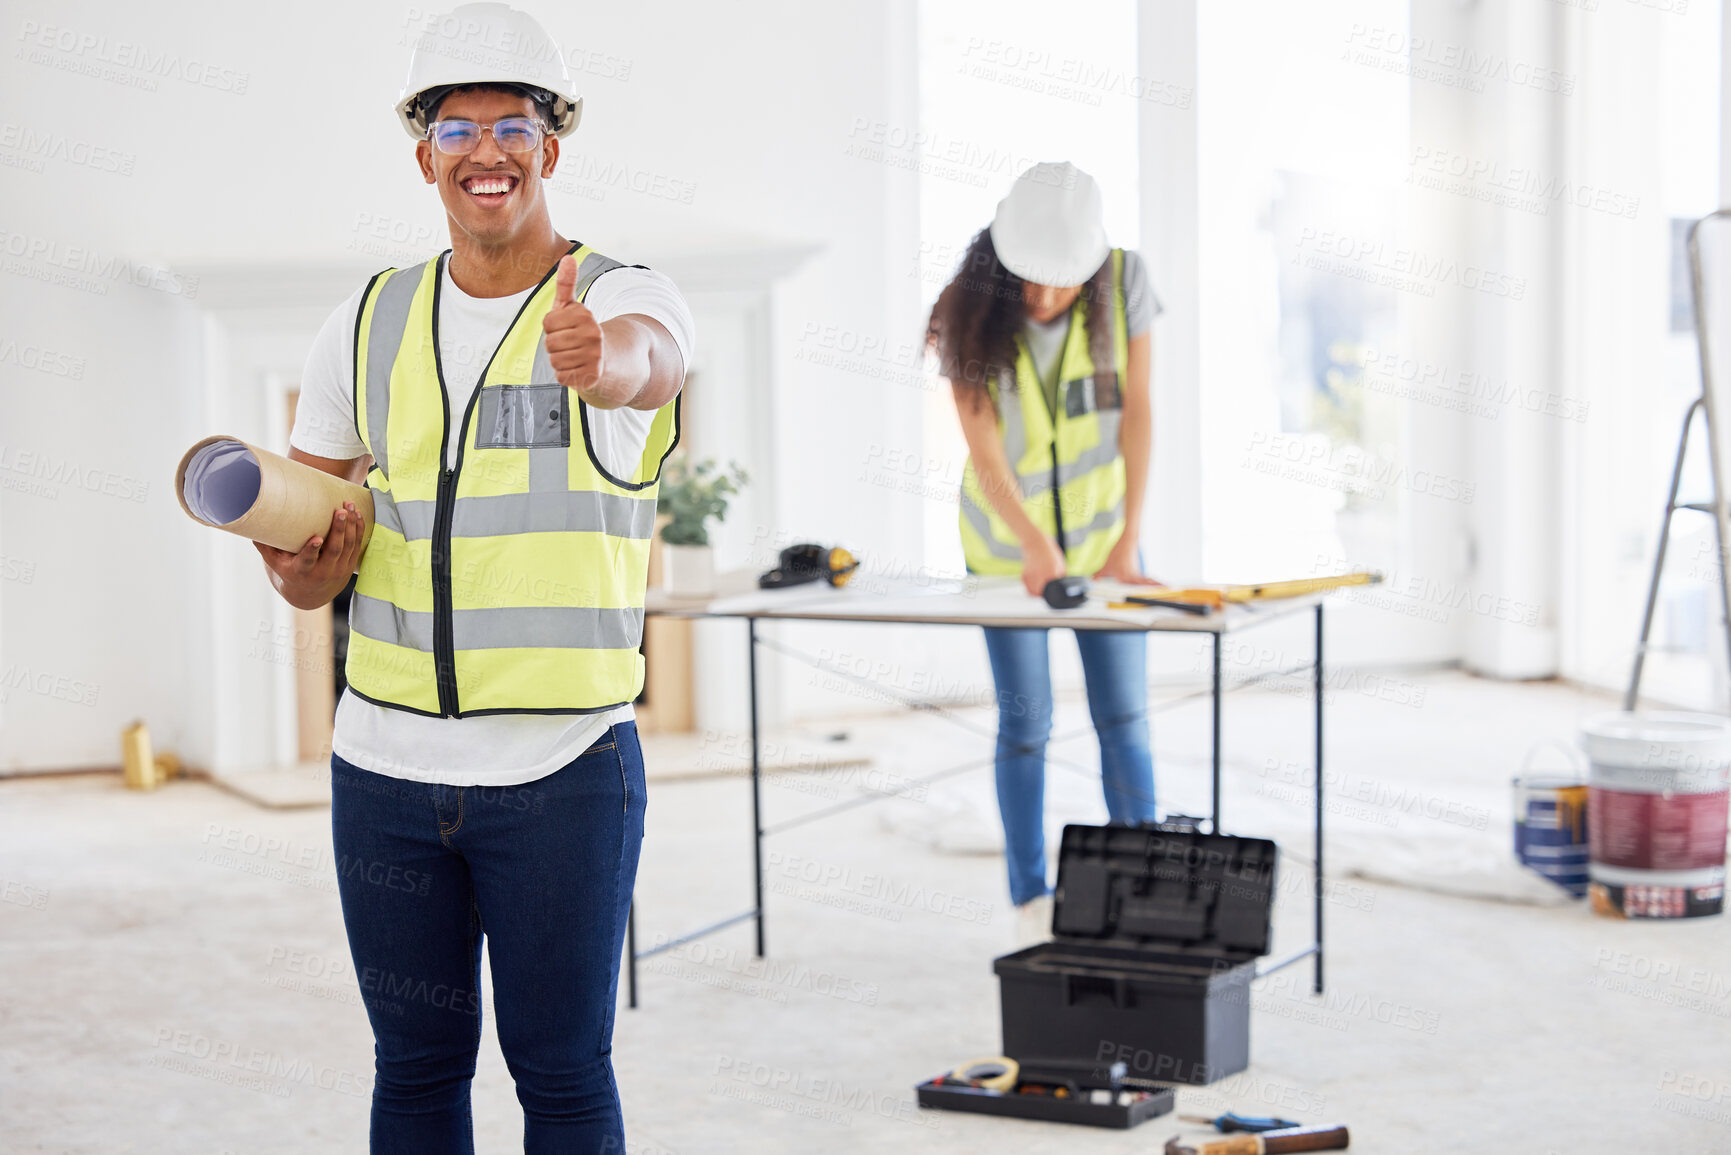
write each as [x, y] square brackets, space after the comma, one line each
[1230, 1122]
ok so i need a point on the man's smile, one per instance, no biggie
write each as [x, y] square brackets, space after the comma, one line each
[491, 188]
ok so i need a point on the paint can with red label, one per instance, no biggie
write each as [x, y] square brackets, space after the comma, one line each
[1658, 790]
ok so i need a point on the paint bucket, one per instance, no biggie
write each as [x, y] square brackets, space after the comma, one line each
[1551, 822]
[1658, 788]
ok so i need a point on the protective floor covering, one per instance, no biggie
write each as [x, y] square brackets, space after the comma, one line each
[173, 973]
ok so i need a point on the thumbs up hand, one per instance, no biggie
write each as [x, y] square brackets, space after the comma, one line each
[574, 341]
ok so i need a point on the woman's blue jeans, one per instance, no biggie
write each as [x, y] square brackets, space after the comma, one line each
[1115, 667]
[545, 871]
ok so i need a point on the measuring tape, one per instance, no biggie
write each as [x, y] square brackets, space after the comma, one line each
[993, 1073]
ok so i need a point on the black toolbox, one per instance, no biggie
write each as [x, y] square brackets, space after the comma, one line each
[1156, 933]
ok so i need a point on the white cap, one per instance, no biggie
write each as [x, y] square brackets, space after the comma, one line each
[488, 43]
[1050, 229]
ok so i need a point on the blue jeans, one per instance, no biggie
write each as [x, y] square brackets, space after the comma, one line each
[1115, 667]
[545, 871]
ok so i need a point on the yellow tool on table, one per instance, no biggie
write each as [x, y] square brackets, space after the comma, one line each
[1202, 599]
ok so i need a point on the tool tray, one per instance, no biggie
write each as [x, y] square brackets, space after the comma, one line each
[1156, 935]
[937, 1095]
[1129, 1101]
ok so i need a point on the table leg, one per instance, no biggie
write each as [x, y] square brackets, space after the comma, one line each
[1214, 814]
[631, 954]
[1319, 888]
[756, 783]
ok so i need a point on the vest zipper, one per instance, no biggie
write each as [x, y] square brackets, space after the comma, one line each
[1057, 501]
[444, 659]
[444, 649]
[1053, 406]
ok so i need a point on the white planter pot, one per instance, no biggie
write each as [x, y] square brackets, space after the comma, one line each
[687, 570]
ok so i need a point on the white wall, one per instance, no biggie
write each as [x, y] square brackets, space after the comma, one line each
[1168, 139]
[289, 161]
[1621, 131]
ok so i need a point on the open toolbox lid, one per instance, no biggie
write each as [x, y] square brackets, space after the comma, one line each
[1166, 886]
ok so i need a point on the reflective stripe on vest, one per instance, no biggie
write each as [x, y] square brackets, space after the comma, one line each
[513, 582]
[1075, 448]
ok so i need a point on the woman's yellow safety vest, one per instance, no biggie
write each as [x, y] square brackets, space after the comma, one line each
[1067, 463]
[514, 582]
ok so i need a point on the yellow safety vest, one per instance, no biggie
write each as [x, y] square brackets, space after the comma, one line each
[514, 582]
[1067, 463]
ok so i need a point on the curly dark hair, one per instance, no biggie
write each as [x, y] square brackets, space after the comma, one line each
[974, 323]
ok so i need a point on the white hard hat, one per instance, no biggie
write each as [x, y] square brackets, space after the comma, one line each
[1049, 229]
[486, 43]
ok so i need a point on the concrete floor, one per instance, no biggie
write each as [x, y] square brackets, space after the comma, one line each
[158, 993]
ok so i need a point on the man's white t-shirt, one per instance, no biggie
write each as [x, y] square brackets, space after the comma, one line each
[492, 749]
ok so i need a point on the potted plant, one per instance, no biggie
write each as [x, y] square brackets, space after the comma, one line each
[690, 496]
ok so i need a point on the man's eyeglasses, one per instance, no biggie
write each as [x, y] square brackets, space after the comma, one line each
[461, 137]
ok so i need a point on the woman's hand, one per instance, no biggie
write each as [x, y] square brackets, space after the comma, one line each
[1042, 561]
[1121, 565]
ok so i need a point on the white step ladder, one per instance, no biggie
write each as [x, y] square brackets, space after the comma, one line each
[1710, 284]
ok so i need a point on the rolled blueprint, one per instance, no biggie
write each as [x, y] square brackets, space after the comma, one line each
[226, 483]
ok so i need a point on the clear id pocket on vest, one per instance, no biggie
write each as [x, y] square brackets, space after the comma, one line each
[523, 417]
[1088, 394]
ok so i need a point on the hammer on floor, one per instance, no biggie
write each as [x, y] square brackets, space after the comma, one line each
[1320, 1138]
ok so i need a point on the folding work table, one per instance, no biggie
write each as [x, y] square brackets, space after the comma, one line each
[975, 602]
